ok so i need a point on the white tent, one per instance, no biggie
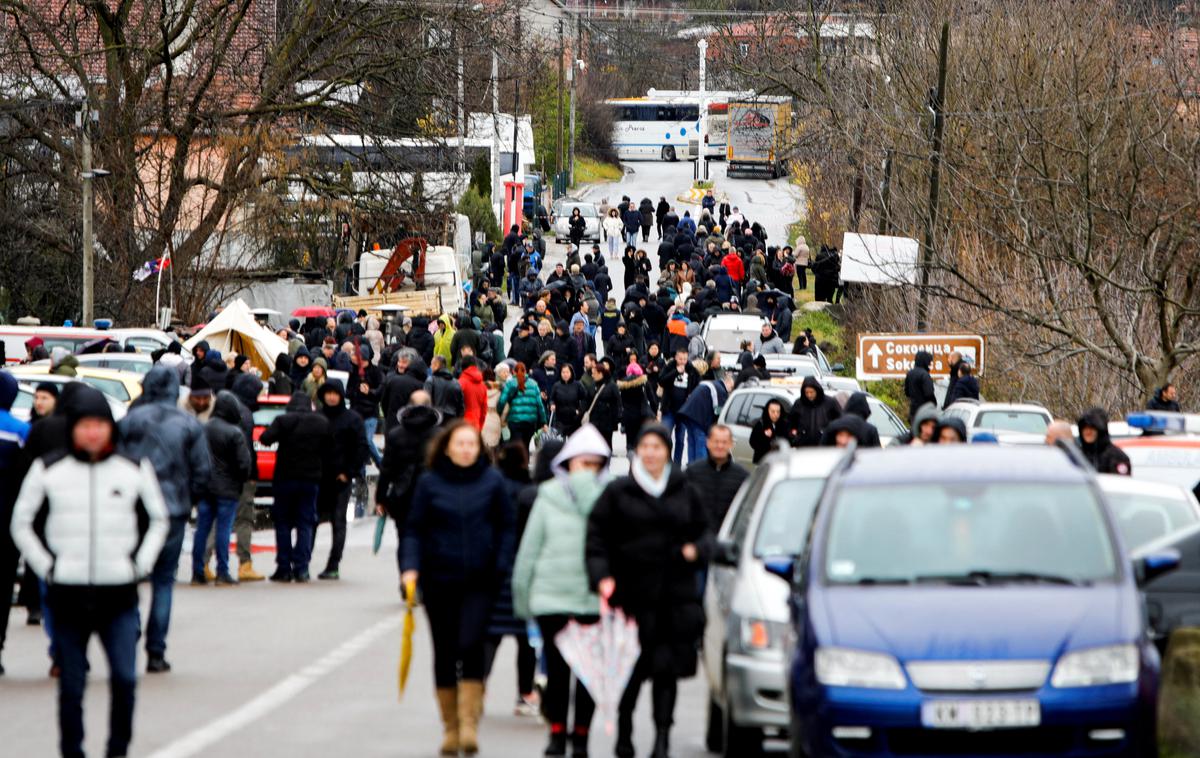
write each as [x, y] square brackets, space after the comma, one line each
[234, 330]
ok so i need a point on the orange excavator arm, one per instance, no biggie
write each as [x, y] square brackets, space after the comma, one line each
[392, 277]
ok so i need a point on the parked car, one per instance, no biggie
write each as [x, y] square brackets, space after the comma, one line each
[270, 407]
[799, 366]
[123, 386]
[137, 363]
[1173, 599]
[75, 338]
[1011, 423]
[562, 216]
[725, 332]
[745, 404]
[747, 608]
[1146, 511]
[969, 600]
[28, 383]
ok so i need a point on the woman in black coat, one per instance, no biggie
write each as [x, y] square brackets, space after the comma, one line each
[619, 345]
[459, 547]
[576, 227]
[647, 541]
[635, 402]
[605, 405]
[568, 401]
[630, 265]
[646, 209]
[771, 431]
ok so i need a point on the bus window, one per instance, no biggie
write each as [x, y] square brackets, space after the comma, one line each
[666, 113]
[688, 112]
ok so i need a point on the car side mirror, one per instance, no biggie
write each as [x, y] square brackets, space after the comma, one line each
[783, 568]
[838, 368]
[1149, 567]
[726, 554]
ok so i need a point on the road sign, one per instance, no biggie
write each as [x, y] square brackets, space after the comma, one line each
[890, 356]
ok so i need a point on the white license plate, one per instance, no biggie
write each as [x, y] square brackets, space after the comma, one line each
[981, 714]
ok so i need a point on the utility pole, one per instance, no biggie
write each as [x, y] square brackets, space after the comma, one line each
[937, 102]
[495, 184]
[86, 175]
[576, 60]
[559, 166]
[462, 98]
[702, 159]
[516, 114]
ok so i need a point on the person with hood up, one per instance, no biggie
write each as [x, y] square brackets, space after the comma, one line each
[403, 460]
[924, 427]
[844, 430]
[856, 410]
[91, 565]
[466, 336]
[967, 386]
[444, 389]
[303, 438]
[918, 384]
[660, 213]
[647, 540]
[950, 430]
[62, 363]
[474, 392]
[635, 401]
[443, 338]
[521, 407]
[1097, 446]
[421, 339]
[550, 581]
[768, 342]
[246, 389]
[695, 344]
[700, 411]
[646, 210]
[240, 363]
[176, 447]
[281, 379]
[770, 432]
[614, 230]
[364, 392]
[232, 463]
[317, 376]
[811, 413]
[345, 456]
[301, 366]
[458, 544]
[619, 347]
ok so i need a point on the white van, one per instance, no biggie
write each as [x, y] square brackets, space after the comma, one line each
[443, 270]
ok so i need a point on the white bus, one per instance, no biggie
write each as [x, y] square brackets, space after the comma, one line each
[665, 124]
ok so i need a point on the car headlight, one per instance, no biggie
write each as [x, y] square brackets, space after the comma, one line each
[1113, 664]
[759, 636]
[842, 667]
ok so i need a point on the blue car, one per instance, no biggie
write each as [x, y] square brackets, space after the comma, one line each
[969, 600]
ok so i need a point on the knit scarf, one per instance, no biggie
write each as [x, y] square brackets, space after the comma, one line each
[652, 486]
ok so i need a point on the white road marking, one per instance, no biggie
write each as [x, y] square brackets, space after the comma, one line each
[214, 731]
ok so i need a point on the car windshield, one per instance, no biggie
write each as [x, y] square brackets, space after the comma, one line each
[268, 413]
[110, 387]
[884, 422]
[1143, 518]
[1029, 422]
[970, 533]
[783, 527]
[729, 340]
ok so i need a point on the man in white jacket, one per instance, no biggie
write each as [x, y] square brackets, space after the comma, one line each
[103, 524]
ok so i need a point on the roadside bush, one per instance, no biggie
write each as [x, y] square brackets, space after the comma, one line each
[478, 210]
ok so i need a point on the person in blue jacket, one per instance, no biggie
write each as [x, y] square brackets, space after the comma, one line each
[459, 545]
[699, 412]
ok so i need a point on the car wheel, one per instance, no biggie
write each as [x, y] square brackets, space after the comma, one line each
[714, 739]
[739, 740]
[668, 153]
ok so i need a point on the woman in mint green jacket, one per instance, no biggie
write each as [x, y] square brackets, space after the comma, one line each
[550, 582]
[521, 406]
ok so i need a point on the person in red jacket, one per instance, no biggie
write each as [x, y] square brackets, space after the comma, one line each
[474, 392]
[733, 266]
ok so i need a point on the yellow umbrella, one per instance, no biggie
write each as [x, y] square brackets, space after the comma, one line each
[406, 634]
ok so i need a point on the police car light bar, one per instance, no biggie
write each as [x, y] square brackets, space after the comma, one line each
[1161, 421]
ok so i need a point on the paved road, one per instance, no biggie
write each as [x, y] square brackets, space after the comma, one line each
[310, 670]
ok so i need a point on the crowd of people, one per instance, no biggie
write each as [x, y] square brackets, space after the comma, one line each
[490, 538]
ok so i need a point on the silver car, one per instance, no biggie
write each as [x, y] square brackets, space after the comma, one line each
[562, 217]
[1010, 423]
[745, 406]
[747, 608]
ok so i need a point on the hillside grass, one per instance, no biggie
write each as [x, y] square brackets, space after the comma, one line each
[589, 171]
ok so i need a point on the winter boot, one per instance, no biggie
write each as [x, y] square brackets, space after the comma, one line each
[662, 744]
[448, 703]
[579, 743]
[558, 740]
[470, 705]
[246, 573]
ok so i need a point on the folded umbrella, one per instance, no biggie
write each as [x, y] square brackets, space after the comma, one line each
[406, 633]
[380, 525]
[602, 656]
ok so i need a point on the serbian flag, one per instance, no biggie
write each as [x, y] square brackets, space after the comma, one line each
[150, 268]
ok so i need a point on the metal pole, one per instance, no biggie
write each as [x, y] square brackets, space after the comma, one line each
[702, 44]
[86, 201]
[937, 103]
[559, 166]
[516, 114]
[495, 185]
[576, 55]
[462, 119]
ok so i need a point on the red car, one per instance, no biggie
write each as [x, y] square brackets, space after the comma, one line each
[270, 407]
